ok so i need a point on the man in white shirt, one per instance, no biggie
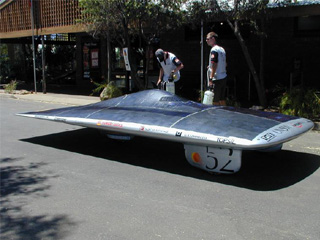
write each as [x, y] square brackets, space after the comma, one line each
[169, 65]
[217, 73]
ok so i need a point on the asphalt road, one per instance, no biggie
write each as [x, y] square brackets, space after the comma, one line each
[65, 182]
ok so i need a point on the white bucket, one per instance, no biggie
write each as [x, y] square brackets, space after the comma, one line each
[208, 97]
[170, 87]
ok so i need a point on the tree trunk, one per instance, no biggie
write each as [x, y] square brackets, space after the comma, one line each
[109, 58]
[146, 74]
[259, 87]
[262, 51]
[134, 69]
[133, 65]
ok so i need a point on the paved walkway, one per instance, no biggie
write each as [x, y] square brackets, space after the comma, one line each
[65, 99]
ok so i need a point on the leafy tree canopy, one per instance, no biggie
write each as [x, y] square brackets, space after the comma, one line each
[123, 18]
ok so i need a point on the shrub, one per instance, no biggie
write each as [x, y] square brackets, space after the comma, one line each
[301, 102]
[11, 87]
[108, 90]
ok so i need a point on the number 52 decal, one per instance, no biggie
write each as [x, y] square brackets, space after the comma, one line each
[219, 160]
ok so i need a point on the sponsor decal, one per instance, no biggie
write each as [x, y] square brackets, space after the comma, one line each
[297, 125]
[195, 136]
[278, 131]
[196, 157]
[110, 124]
[178, 134]
[268, 137]
[226, 140]
[281, 129]
[155, 130]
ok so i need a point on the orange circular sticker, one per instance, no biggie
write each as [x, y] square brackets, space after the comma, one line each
[196, 157]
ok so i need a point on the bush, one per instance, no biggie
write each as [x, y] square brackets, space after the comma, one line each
[11, 87]
[301, 102]
[5, 67]
[108, 90]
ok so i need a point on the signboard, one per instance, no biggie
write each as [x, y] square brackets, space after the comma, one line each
[126, 59]
[94, 58]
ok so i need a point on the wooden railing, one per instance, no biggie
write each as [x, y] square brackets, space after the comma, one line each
[50, 16]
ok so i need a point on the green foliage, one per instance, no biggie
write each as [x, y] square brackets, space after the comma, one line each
[11, 87]
[59, 62]
[107, 90]
[129, 21]
[231, 101]
[99, 86]
[301, 102]
[5, 70]
[239, 10]
[5, 67]
[114, 16]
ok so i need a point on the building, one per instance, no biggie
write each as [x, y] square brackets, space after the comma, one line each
[291, 56]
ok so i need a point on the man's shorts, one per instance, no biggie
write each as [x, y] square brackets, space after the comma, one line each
[220, 89]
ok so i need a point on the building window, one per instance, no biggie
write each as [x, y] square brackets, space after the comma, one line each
[118, 63]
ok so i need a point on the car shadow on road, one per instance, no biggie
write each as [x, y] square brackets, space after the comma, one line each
[260, 171]
[17, 182]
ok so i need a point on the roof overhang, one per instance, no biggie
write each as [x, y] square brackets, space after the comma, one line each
[44, 31]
